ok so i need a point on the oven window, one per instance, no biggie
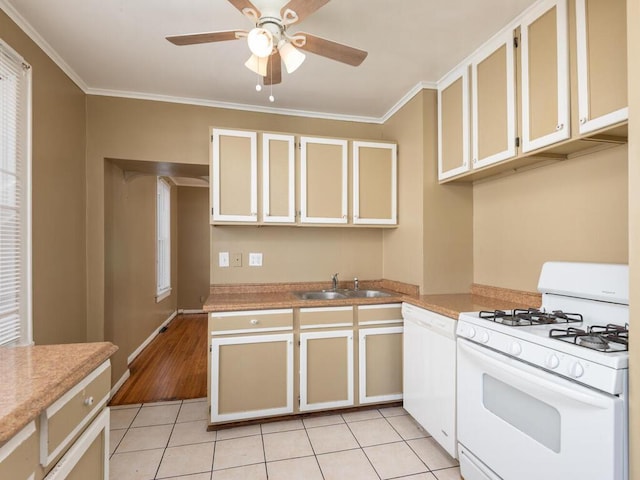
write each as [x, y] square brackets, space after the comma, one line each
[532, 417]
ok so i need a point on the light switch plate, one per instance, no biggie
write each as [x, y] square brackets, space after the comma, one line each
[255, 259]
[223, 259]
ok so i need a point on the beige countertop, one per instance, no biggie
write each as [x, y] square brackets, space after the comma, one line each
[273, 296]
[32, 378]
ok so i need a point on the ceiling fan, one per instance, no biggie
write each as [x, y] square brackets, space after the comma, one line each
[269, 41]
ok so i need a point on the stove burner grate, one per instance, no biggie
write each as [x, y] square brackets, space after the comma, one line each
[530, 316]
[604, 338]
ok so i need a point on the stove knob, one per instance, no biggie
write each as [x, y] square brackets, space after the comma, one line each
[472, 332]
[483, 337]
[553, 361]
[576, 370]
[515, 349]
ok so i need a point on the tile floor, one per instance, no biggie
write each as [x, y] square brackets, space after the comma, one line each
[169, 440]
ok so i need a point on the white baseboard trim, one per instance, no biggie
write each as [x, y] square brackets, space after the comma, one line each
[119, 384]
[187, 311]
[153, 335]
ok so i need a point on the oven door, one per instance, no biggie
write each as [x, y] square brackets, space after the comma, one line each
[524, 423]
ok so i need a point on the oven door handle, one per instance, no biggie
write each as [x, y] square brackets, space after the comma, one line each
[528, 378]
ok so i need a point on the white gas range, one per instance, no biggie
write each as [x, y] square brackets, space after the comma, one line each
[543, 393]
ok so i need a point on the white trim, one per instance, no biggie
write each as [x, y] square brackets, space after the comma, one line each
[362, 365]
[215, 366]
[242, 313]
[304, 338]
[381, 322]
[215, 173]
[393, 220]
[266, 186]
[119, 383]
[219, 333]
[45, 457]
[18, 439]
[153, 335]
[325, 325]
[163, 294]
[70, 459]
[381, 305]
[562, 129]
[489, 49]
[303, 183]
[460, 72]
[586, 124]
[188, 311]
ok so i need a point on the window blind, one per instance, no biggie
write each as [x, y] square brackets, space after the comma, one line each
[15, 252]
[163, 248]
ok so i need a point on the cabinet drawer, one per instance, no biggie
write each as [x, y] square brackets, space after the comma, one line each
[326, 317]
[18, 456]
[71, 413]
[251, 321]
[379, 314]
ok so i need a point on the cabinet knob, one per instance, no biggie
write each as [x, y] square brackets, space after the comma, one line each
[475, 160]
[88, 401]
[559, 126]
[254, 321]
[583, 120]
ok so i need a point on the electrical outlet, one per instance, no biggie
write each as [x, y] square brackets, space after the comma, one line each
[255, 259]
[236, 259]
[223, 259]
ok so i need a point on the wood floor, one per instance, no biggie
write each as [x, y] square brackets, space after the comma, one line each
[172, 367]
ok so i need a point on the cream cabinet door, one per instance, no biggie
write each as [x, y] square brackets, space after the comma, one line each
[545, 75]
[493, 102]
[375, 182]
[278, 178]
[601, 34]
[453, 123]
[323, 180]
[326, 369]
[251, 376]
[380, 364]
[234, 176]
[19, 455]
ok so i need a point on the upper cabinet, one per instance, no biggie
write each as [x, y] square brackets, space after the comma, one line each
[278, 178]
[545, 75]
[601, 36]
[323, 180]
[234, 192]
[375, 172]
[522, 106]
[302, 181]
[493, 106]
[453, 124]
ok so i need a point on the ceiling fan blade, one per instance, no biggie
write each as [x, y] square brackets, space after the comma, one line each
[194, 38]
[274, 70]
[302, 9]
[333, 50]
[243, 4]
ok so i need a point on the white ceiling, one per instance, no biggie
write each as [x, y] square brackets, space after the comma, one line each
[117, 47]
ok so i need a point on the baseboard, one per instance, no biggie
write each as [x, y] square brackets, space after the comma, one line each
[188, 311]
[119, 384]
[153, 335]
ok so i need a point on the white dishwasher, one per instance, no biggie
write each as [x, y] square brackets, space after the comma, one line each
[429, 373]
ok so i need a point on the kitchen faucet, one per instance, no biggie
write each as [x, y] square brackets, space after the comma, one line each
[334, 280]
[356, 284]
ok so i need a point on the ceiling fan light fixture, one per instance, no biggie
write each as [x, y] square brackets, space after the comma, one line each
[260, 42]
[257, 65]
[291, 56]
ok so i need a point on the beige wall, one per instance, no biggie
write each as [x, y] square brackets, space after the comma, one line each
[131, 311]
[58, 165]
[164, 132]
[633, 53]
[193, 246]
[576, 211]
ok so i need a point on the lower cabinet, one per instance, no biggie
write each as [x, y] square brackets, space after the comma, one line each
[326, 370]
[252, 376]
[380, 362]
[19, 455]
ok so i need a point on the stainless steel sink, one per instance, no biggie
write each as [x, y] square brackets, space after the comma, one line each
[320, 295]
[340, 294]
[368, 293]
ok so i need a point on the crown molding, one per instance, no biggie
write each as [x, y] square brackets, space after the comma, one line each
[405, 99]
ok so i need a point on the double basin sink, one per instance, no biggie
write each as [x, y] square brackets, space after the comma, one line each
[340, 294]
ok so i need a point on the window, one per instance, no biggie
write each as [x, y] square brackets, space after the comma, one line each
[163, 240]
[15, 198]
